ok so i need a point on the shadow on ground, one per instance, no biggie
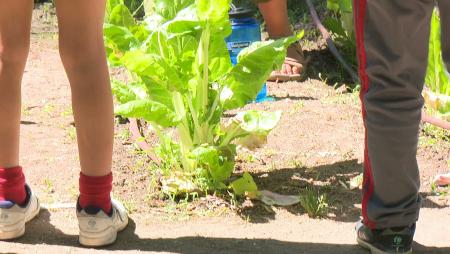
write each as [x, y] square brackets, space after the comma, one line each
[323, 66]
[326, 179]
[128, 240]
[294, 98]
[288, 181]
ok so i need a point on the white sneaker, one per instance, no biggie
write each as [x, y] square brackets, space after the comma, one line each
[98, 228]
[13, 217]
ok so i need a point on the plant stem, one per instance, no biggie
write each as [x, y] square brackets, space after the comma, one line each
[183, 127]
[203, 81]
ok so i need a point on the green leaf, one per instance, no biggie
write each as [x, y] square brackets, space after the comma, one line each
[245, 186]
[254, 121]
[333, 5]
[121, 16]
[185, 22]
[149, 7]
[168, 9]
[437, 78]
[154, 67]
[215, 15]
[125, 93]
[118, 37]
[347, 23]
[250, 128]
[140, 33]
[110, 4]
[150, 111]
[219, 59]
[334, 26]
[211, 158]
[346, 6]
[255, 64]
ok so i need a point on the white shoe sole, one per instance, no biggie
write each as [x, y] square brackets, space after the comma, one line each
[103, 238]
[17, 230]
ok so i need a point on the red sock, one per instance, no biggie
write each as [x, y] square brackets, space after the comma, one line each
[95, 191]
[12, 185]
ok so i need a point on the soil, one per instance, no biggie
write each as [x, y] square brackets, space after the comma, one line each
[317, 145]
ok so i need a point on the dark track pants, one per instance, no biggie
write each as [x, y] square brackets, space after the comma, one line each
[393, 38]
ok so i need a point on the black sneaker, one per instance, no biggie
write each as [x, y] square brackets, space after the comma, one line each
[385, 241]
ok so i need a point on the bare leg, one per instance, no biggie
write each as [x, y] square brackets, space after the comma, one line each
[277, 22]
[15, 23]
[276, 16]
[84, 58]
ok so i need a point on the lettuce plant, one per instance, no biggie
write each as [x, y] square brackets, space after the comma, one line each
[182, 78]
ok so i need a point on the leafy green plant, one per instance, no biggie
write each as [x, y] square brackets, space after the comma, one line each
[340, 23]
[437, 79]
[182, 78]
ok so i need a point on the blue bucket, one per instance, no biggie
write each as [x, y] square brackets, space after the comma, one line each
[245, 30]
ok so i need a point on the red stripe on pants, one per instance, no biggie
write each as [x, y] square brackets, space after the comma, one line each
[368, 186]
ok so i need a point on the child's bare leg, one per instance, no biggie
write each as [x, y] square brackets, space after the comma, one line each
[83, 55]
[17, 203]
[84, 58]
[15, 22]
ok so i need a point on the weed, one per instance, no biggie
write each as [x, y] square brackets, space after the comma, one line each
[439, 191]
[246, 157]
[124, 134]
[314, 203]
[26, 111]
[347, 99]
[49, 109]
[297, 107]
[436, 133]
[296, 163]
[74, 192]
[72, 133]
[130, 206]
[270, 152]
[68, 112]
[48, 185]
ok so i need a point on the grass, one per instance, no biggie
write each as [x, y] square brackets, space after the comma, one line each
[72, 133]
[130, 206]
[297, 163]
[439, 191]
[314, 203]
[49, 109]
[48, 186]
[246, 157]
[26, 110]
[139, 166]
[434, 137]
[343, 98]
[436, 133]
[68, 112]
[297, 107]
[124, 134]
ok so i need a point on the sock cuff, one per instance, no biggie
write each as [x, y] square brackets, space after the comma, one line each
[11, 172]
[95, 191]
[12, 185]
[93, 185]
[96, 179]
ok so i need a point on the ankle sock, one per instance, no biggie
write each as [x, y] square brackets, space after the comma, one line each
[12, 185]
[95, 191]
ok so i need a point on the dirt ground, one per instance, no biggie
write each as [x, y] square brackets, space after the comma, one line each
[318, 144]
